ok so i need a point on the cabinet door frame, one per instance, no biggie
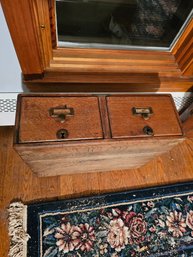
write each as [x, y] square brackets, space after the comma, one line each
[32, 27]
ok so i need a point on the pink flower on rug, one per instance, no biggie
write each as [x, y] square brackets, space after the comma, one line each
[86, 237]
[152, 229]
[66, 237]
[189, 220]
[176, 224]
[118, 234]
[137, 227]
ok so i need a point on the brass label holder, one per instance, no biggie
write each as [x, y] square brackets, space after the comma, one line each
[145, 113]
[61, 113]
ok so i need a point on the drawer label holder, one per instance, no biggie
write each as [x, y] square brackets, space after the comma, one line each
[61, 113]
[145, 113]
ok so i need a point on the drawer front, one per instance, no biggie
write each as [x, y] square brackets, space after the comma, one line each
[59, 118]
[142, 116]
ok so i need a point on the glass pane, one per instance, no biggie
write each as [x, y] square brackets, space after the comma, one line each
[153, 23]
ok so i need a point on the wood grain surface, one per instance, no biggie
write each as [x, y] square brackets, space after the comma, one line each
[124, 124]
[36, 124]
[17, 182]
[21, 21]
[105, 120]
[183, 50]
[32, 28]
[169, 84]
[102, 155]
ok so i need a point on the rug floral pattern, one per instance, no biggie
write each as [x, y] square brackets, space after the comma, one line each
[149, 228]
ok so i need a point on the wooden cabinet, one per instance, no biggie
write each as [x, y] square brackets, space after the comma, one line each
[62, 133]
[47, 67]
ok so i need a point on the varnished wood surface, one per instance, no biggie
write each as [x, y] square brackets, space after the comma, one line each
[36, 124]
[183, 51]
[124, 124]
[99, 155]
[30, 23]
[110, 149]
[111, 83]
[17, 182]
[113, 61]
[21, 21]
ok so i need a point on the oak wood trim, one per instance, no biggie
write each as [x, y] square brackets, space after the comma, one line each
[113, 83]
[32, 33]
[52, 4]
[183, 51]
[20, 18]
[111, 61]
[43, 28]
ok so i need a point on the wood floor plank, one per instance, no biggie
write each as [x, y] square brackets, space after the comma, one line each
[18, 182]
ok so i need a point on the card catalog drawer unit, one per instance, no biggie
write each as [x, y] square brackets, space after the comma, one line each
[141, 116]
[65, 134]
[59, 118]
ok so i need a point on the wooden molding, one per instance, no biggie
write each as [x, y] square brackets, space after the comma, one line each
[43, 28]
[28, 22]
[109, 83]
[52, 6]
[183, 51]
[32, 27]
[112, 61]
[20, 20]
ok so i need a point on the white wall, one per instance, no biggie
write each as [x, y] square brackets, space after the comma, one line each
[10, 71]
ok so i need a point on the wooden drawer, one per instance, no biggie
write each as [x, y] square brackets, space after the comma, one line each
[103, 132]
[58, 118]
[143, 116]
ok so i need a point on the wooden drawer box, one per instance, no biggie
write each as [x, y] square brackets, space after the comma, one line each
[41, 118]
[61, 133]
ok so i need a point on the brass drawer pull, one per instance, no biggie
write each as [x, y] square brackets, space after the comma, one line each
[145, 113]
[62, 113]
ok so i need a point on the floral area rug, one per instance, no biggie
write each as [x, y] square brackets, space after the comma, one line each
[150, 222]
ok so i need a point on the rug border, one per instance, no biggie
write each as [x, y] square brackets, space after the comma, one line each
[36, 210]
[149, 192]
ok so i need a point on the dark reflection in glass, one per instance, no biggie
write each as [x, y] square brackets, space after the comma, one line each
[121, 22]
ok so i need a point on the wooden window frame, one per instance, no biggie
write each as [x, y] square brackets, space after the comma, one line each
[32, 27]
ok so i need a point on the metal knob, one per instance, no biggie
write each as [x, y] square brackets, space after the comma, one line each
[148, 131]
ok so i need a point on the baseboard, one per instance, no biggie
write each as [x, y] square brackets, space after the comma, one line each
[8, 105]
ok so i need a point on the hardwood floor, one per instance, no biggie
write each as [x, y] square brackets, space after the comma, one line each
[17, 182]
